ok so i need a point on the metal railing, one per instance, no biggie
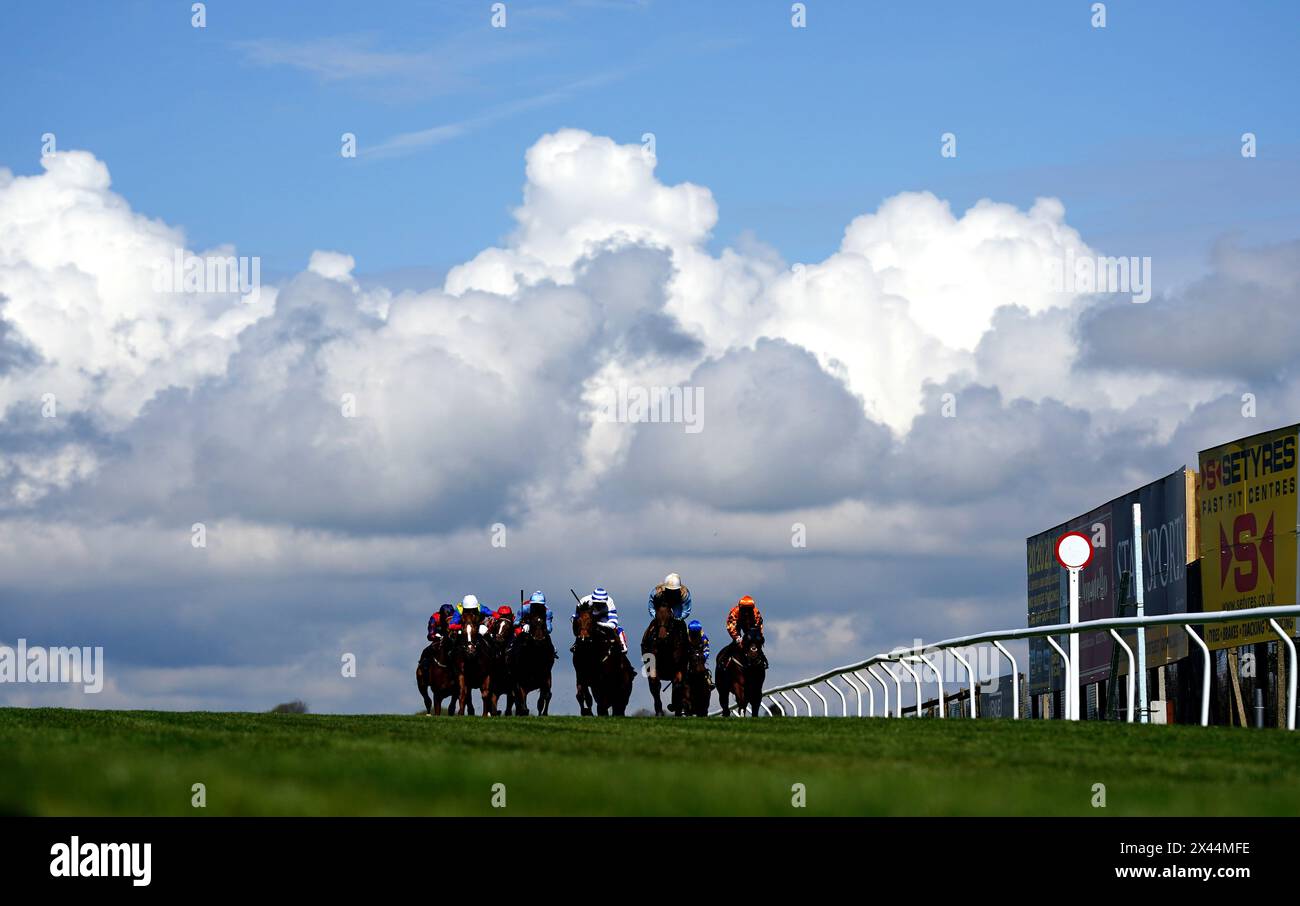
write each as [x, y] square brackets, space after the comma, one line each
[905, 657]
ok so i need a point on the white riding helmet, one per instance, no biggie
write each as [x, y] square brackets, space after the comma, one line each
[673, 582]
[470, 603]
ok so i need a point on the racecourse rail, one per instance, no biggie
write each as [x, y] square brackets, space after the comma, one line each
[917, 654]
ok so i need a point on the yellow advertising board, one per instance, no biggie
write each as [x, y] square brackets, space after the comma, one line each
[1246, 493]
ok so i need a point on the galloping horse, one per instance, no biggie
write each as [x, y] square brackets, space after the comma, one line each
[741, 673]
[696, 690]
[531, 658]
[501, 634]
[601, 667]
[665, 640]
[434, 672]
[471, 657]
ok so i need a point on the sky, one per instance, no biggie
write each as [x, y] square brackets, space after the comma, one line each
[597, 195]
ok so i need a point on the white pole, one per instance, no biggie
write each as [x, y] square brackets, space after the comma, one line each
[1144, 709]
[1131, 670]
[970, 677]
[844, 705]
[1072, 666]
[917, 680]
[872, 693]
[938, 678]
[826, 708]
[871, 669]
[1205, 678]
[804, 700]
[1066, 658]
[898, 689]
[849, 678]
[1290, 673]
[794, 709]
[1015, 681]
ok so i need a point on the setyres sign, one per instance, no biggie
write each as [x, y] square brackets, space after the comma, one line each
[1168, 545]
[1247, 541]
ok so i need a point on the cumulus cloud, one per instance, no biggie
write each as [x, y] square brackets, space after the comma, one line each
[912, 401]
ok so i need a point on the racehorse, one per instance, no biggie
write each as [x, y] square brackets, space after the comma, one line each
[602, 669]
[435, 673]
[501, 634]
[740, 673]
[531, 658]
[471, 657]
[665, 640]
[696, 690]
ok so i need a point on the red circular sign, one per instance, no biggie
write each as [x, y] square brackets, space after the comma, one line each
[1074, 550]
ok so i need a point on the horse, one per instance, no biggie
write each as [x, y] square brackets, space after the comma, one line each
[531, 658]
[696, 690]
[665, 639]
[502, 634]
[472, 658]
[740, 672]
[434, 673]
[602, 669]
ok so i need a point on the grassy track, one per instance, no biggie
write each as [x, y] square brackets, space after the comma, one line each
[55, 762]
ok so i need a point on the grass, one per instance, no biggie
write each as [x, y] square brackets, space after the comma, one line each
[75, 762]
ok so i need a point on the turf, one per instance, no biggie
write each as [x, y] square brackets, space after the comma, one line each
[75, 762]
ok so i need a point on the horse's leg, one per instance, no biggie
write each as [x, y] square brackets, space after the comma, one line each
[424, 690]
[544, 704]
[723, 692]
[654, 693]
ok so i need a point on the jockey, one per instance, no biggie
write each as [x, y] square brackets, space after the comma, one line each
[504, 612]
[697, 637]
[673, 593]
[537, 600]
[742, 616]
[604, 610]
[438, 622]
[469, 608]
[745, 615]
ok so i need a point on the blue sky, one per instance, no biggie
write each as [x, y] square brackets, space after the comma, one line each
[233, 130]
[535, 293]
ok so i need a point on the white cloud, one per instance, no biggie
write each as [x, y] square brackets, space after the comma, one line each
[474, 404]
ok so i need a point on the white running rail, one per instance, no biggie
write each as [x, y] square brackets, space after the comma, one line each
[903, 657]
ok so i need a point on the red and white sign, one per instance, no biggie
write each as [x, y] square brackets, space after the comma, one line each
[1074, 550]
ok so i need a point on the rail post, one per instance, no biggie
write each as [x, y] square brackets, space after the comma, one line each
[803, 699]
[826, 708]
[1205, 678]
[938, 679]
[848, 678]
[844, 705]
[1290, 673]
[1132, 671]
[1015, 680]
[915, 679]
[794, 709]
[871, 671]
[1065, 659]
[970, 678]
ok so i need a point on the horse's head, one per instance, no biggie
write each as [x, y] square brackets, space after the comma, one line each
[505, 629]
[663, 614]
[586, 622]
[537, 628]
[751, 644]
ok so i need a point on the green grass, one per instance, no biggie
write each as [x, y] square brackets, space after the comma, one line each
[73, 762]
